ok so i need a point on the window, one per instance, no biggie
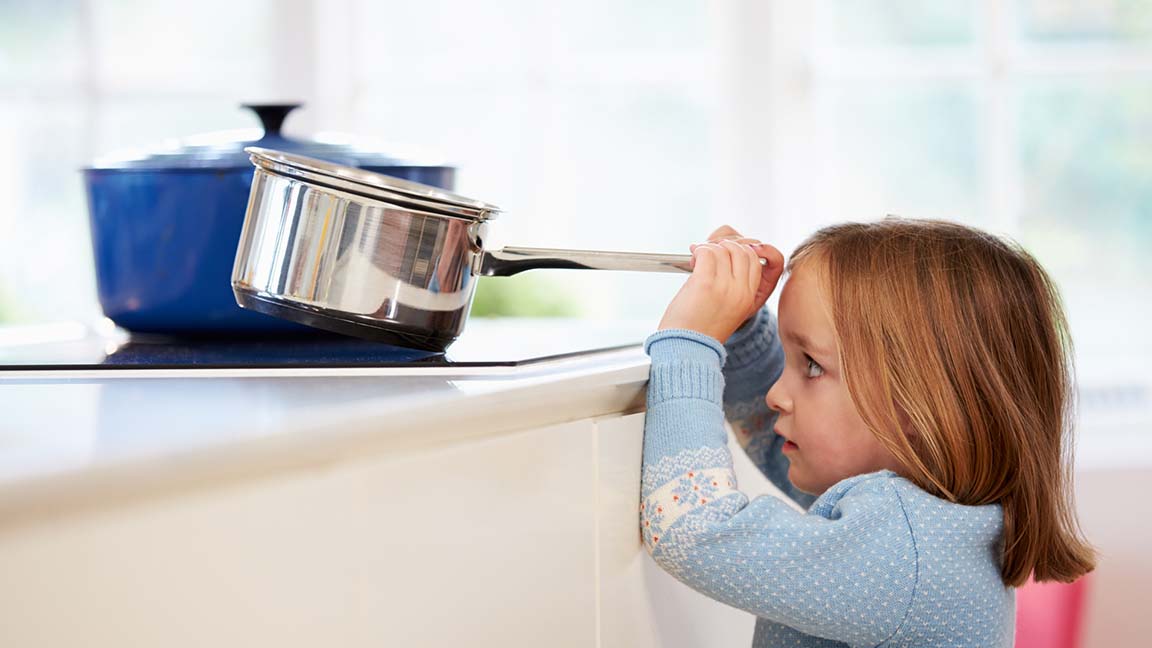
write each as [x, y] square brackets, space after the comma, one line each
[1026, 117]
[635, 126]
[81, 78]
[590, 133]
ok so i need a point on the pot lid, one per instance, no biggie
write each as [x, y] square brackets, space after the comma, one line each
[225, 149]
[376, 185]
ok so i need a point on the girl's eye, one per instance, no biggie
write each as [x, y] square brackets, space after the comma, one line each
[814, 368]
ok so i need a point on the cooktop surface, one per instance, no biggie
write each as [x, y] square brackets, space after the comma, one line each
[486, 343]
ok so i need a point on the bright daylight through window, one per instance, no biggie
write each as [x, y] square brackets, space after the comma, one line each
[1027, 117]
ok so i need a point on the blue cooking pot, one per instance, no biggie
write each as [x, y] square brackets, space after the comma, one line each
[165, 226]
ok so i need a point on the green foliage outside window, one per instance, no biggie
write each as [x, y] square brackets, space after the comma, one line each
[527, 295]
[1086, 192]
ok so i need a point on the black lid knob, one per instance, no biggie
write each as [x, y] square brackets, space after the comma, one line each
[272, 115]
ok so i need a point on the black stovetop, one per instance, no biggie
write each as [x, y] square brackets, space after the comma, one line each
[487, 343]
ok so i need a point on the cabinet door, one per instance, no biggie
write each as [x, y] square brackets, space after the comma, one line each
[639, 604]
[482, 543]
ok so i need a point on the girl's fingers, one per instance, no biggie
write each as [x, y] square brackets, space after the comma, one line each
[771, 271]
[773, 263]
[738, 259]
[773, 258]
[744, 242]
[750, 268]
[706, 262]
[755, 270]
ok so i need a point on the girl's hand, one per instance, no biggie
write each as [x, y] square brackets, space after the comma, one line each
[770, 272]
[727, 286]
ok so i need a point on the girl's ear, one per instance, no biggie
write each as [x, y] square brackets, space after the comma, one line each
[906, 427]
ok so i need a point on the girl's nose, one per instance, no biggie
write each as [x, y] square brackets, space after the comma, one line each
[777, 400]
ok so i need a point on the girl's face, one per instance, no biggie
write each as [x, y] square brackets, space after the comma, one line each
[827, 440]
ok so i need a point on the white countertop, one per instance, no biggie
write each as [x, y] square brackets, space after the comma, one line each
[75, 437]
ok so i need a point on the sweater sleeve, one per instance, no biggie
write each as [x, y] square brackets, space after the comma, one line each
[755, 360]
[845, 570]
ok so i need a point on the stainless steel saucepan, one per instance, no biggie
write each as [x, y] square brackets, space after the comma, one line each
[368, 255]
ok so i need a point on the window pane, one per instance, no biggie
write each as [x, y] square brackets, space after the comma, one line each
[1086, 208]
[1085, 20]
[908, 149]
[539, 119]
[603, 26]
[45, 252]
[906, 23]
[452, 42]
[633, 172]
[40, 42]
[468, 44]
[610, 168]
[220, 47]
[146, 123]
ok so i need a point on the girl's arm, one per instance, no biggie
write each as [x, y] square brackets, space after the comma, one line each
[845, 570]
[755, 362]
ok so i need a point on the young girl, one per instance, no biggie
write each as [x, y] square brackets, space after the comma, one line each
[914, 396]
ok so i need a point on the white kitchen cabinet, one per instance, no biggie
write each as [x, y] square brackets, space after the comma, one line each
[482, 543]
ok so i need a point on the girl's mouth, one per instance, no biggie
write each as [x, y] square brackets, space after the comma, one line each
[788, 446]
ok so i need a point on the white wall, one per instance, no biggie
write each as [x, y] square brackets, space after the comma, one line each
[1114, 512]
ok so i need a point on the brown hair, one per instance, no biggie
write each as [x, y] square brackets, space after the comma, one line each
[956, 352]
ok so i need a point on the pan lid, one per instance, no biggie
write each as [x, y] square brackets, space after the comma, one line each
[370, 183]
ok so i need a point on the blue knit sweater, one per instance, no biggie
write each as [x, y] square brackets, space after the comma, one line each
[875, 561]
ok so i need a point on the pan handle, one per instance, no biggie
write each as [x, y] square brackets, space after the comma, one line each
[508, 261]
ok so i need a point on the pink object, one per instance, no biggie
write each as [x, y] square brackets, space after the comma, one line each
[1050, 615]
